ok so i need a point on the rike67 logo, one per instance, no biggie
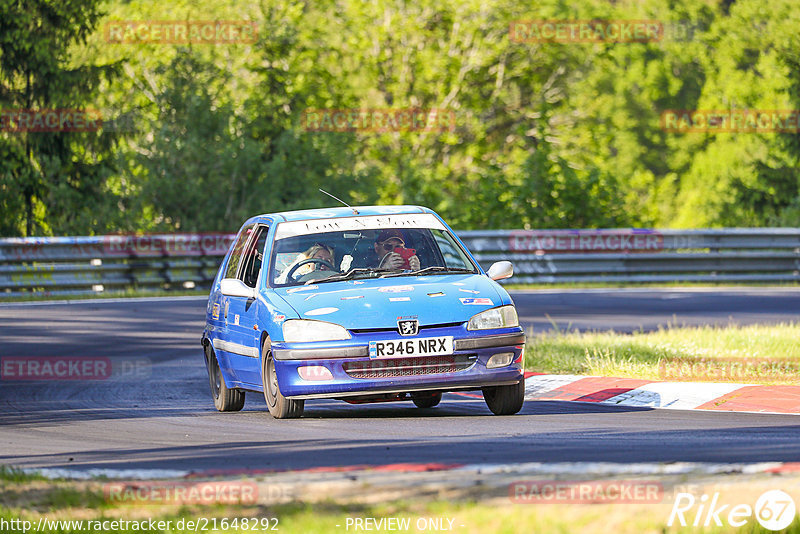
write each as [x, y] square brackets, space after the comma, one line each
[774, 510]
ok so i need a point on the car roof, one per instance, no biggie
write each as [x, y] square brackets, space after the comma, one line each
[341, 211]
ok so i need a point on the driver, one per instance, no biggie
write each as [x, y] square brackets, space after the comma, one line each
[316, 251]
[320, 252]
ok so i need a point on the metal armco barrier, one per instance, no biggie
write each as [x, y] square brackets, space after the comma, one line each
[64, 265]
[85, 265]
[634, 255]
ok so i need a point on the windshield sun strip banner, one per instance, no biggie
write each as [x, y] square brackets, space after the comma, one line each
[367, 222]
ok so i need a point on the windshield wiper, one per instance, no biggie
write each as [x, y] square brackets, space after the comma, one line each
[430, 270]
[348, 275]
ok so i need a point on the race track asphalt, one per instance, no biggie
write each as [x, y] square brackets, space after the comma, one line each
[159, 415]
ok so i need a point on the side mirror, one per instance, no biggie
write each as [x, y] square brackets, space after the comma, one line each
[233, 287]
[500, 270]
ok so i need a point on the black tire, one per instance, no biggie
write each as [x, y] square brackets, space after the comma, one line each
[279, 406]
[505, 400]
[426, 400]
[225, 399]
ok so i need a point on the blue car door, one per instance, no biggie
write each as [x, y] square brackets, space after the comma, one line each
[226, 349]
[242, 313]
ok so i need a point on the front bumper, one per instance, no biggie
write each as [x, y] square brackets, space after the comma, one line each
[354, 373]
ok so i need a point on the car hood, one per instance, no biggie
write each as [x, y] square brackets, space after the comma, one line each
[377, 303]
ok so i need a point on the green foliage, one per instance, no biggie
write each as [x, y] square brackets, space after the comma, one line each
[545, 134]
[50, 180]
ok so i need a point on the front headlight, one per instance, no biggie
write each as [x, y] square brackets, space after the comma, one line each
[501, 317]
[301, 330]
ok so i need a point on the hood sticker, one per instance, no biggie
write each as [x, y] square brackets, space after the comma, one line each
[353, 297]
[322, 311]
[477, 301]
[301, 288]
[396, 289]
[468, 291]
[437, 294]
[399, 299]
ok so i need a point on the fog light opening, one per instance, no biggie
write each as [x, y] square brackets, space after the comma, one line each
[500, 360]
[315, 373]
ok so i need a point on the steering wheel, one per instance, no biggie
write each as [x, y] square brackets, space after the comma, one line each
[306, 262]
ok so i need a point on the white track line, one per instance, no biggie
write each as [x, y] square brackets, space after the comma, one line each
[528, 468]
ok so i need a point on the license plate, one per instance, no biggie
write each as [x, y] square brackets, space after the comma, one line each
[423, 346]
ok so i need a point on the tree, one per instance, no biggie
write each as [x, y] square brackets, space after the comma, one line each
[50, 179]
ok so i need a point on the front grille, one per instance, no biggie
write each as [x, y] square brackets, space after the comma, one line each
[424, 365]
[394, 328]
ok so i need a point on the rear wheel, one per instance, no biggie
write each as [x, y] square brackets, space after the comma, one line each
[423, 400]
[225, 399]
[279, 406]
[505, 400]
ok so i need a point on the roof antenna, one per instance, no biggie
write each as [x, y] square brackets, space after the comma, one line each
[355, 211]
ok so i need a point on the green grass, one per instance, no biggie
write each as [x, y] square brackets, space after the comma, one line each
[767, 354]
[15, 475]
[24, 498]
[466, 517]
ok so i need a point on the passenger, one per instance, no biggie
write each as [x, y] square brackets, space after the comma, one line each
[390, 249]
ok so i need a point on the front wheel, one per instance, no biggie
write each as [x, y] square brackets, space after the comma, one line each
[505, 400]
[279, 406]
[225, 399]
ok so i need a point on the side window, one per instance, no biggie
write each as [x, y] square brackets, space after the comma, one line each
[238, 249]
[451, 252]
[254, 257]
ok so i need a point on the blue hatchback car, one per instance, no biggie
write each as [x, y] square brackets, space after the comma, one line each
[362, 304]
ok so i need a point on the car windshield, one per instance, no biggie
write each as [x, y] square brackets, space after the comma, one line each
[318, 257]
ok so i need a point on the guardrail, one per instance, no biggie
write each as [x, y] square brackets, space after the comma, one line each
[64, 265]
[622, 255]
